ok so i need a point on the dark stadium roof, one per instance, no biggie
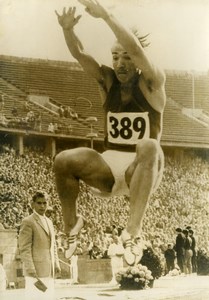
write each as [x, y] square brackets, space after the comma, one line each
[66, 83]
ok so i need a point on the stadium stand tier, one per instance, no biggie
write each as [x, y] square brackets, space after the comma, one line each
[65, 84]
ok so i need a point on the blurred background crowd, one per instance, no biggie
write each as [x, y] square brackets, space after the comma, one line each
[181, 200]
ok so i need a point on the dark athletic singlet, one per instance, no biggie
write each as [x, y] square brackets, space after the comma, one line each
[126, 124]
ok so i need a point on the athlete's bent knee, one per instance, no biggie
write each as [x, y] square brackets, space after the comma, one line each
[61, 160]
[148, 147]
[58, 161]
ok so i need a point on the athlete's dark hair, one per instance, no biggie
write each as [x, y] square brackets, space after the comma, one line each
[141, 39]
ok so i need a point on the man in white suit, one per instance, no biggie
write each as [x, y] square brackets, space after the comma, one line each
[116, 252]
[38, 250]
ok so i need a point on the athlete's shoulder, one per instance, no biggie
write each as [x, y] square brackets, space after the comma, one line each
[106, 70]
[107, 77]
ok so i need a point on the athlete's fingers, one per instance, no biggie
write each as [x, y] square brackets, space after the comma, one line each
[64, 11]
[58, 15]
[77, 19]
[69, 10]
[73, 10]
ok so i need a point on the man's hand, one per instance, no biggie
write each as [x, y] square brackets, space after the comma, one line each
[95, 9]
[32, 273]
[68, 20]
[57, 269]
[58, 272]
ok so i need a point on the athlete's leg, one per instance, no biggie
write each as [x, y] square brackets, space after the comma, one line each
[72, 165]
[142, 177]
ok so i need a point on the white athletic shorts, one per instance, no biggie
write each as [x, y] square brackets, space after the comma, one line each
[119, 161]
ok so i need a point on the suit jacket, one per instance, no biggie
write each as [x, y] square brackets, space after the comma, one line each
[37, 247]
[179, 247]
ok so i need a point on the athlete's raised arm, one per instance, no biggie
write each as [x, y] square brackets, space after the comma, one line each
[67, 21]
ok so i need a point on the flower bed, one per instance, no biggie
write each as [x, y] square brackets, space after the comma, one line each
[152, 262]
[202, 263]
[137, 277]
[141, 276]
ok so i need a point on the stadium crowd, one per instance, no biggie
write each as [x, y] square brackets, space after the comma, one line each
[181, 200]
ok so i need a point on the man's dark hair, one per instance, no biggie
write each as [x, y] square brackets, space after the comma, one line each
[185, 231]
[38, 194]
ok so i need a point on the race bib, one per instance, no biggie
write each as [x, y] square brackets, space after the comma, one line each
[127, 127]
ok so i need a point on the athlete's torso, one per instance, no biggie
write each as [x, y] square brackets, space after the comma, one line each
[129, 117]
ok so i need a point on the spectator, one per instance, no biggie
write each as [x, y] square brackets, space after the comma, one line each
[37, 247]
[72, 113]
[51, 127]
[2, 102]
[74, 268]
[188, 252]
[1, 224]
[3, 279]
[30, 117]
[14, 111]
[3, 120]
[49, 212]
[95, 252]
[27, 107]
[61, 111]
[179, 248]
[116, 252]
[56, 128]
[170, 258]
[38, 123]
[194, 256]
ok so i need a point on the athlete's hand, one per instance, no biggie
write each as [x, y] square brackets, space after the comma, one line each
[94, 8]
[67, 19]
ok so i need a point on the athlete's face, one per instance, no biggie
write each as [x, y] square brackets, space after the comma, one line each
[122, 64]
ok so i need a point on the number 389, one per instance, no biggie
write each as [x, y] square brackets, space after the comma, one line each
[125, 127]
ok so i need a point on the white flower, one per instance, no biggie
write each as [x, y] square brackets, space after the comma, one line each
[142, 274]
[118, 277]
[148, 273]
[135, 271]
[143, 268]
[149, 277]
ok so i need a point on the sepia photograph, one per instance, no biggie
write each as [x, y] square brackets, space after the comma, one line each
[104, 149]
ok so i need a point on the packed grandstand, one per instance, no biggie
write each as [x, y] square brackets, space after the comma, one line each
[47, 88]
